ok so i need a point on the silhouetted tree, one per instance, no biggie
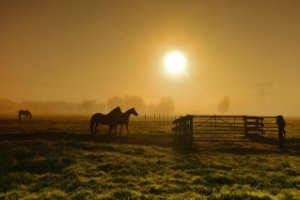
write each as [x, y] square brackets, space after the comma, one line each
[88, 106]
[114, 102]
[165, 106]
[223, 106]
[134, 102]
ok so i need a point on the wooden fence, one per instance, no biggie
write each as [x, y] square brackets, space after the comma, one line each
[223, 128]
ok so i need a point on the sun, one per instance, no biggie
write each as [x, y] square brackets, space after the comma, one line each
[175, 63]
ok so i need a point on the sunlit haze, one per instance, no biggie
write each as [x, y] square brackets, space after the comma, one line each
[200, 57]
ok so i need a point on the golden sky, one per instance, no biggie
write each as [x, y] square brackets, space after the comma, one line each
[247, 52]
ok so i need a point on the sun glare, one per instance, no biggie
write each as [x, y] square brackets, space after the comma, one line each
[175, 63]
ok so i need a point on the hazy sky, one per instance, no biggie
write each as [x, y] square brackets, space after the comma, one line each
[246, 51]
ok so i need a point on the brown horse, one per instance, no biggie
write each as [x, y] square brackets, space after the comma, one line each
[108, 119]
[124, 119]
[25, 113]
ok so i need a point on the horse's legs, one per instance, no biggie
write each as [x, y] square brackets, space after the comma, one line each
[95, 128]
[121, 129]
[127, 128]
[110, 129]
[115, 129]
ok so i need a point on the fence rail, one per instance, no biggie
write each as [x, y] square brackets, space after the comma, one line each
[223, 128]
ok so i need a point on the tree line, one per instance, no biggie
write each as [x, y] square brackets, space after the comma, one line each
[165, 105]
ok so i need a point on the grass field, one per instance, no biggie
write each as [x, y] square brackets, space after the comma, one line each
[58, 159]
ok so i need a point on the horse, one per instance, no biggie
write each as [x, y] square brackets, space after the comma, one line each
[108, 119]
[124, 119]
[25, 113]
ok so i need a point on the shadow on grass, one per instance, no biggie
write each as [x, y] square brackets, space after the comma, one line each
[163, 140]
[253, 145]
[291, 145]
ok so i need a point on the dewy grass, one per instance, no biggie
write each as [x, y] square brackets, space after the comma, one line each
[86, 167]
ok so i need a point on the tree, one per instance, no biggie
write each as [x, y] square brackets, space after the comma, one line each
[114, 102]
[223, 105]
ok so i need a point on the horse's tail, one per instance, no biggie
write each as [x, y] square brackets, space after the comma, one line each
[92, 124]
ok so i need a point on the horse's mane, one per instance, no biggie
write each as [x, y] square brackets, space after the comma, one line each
[130, 110]
[115, 110]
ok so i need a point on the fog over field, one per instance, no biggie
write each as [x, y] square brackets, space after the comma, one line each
[245, 51]
[164, 106]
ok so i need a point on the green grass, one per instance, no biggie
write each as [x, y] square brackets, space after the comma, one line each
[144, 165]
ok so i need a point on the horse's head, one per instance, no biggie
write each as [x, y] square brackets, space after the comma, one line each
[133, 111]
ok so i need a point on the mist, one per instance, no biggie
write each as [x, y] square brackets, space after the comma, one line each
[165, 105]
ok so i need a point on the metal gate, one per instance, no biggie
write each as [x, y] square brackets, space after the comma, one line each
[223, 128]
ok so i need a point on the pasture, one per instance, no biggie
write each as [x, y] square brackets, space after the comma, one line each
[57, 158]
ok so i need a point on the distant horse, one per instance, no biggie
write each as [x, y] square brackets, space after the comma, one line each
[25, 113]
[108, 119]
[124, 119]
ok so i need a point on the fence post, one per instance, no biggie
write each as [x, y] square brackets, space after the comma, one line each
[190, 130]
[245, 125]
[154, 120]
[159, 120]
